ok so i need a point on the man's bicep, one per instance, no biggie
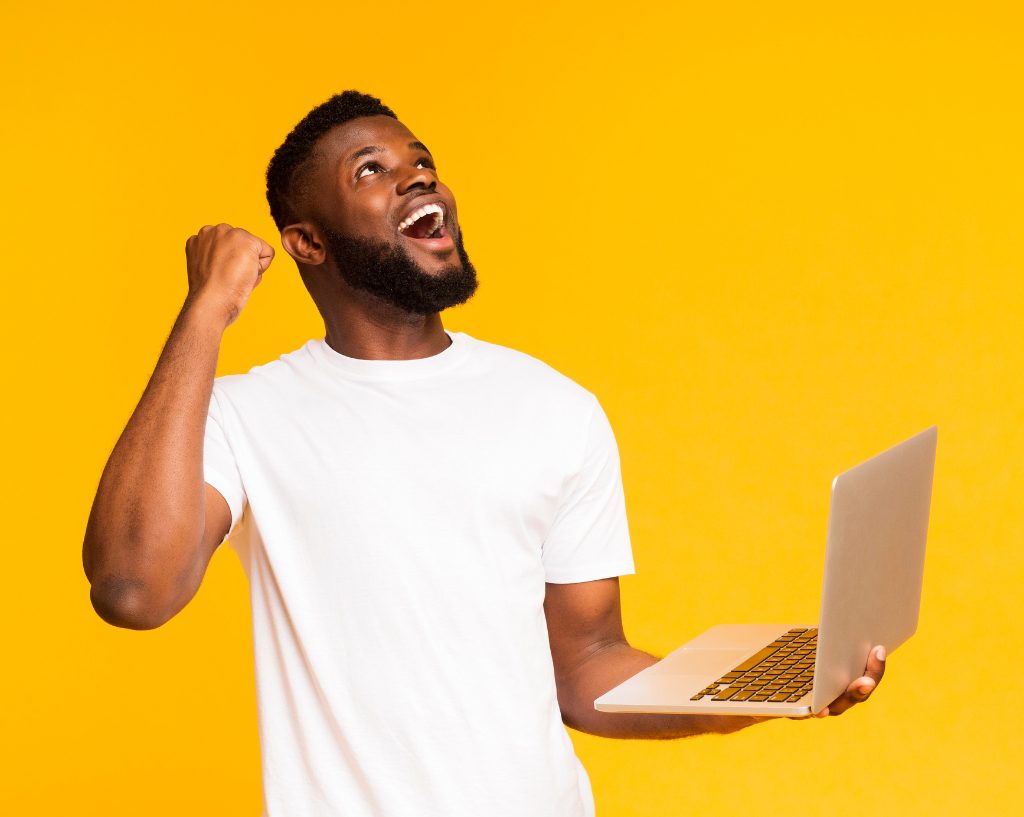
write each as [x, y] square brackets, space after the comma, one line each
[582, 618]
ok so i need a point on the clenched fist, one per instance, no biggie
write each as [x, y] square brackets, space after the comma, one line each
[225, 264]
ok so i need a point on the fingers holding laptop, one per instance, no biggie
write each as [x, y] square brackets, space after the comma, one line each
[860, 689]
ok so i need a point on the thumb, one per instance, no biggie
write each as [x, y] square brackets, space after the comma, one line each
[265, 254]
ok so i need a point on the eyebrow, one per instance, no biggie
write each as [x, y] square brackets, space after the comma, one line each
[371, 149]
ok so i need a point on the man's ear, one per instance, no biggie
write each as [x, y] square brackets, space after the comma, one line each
[302, 242]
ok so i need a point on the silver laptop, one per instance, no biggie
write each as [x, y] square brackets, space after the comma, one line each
[874, 560]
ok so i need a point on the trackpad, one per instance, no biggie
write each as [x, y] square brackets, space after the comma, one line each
[704, 662]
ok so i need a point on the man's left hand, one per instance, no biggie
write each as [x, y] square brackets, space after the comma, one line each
[860, 689]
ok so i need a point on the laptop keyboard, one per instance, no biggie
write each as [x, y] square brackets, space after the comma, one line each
[782, 671]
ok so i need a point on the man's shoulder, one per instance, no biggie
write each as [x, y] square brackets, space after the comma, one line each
[541, 377]
[265, 380]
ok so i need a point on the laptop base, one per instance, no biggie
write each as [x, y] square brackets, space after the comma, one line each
[668, 686]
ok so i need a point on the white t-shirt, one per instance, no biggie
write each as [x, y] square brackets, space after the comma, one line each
[397, 521]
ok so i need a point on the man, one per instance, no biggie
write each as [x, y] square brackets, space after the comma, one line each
[432, 525]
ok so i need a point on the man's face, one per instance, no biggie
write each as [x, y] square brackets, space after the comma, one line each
[376, 176]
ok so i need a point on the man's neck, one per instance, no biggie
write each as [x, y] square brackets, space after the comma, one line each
[364, 327]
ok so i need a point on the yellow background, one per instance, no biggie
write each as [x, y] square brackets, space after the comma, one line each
[773, 239]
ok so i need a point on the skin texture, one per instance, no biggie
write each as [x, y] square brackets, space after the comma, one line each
[155, 523]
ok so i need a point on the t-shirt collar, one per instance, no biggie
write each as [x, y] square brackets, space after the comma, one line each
[393, 369]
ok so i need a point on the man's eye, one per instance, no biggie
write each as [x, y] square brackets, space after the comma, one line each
[368, 165]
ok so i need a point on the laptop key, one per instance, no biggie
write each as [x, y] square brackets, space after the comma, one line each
[785, 668]
[755, 659]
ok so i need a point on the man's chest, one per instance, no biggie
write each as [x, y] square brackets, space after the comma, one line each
[412, 474]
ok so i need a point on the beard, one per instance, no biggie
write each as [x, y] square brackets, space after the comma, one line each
[389, 272]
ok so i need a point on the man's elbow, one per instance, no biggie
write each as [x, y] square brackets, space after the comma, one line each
[571, 719]
[125, 603]
[577, 713]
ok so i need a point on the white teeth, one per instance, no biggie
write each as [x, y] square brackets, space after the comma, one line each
[427, 209]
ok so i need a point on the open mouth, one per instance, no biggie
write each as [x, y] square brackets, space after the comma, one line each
[426, 224]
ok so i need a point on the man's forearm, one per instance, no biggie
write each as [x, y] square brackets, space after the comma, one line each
[606, 669]
[148, 514]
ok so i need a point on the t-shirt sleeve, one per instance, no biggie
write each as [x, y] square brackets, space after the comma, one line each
[219, 467]
[589, 538]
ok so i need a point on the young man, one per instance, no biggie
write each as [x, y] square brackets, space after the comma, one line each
[432, 525]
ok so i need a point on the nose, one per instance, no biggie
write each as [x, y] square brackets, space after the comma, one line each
[417, 177]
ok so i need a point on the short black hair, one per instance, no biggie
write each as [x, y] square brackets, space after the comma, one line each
[288, 173]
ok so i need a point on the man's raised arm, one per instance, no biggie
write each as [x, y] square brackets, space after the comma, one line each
[155, 523]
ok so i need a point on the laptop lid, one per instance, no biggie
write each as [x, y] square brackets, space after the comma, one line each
[874, 561]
